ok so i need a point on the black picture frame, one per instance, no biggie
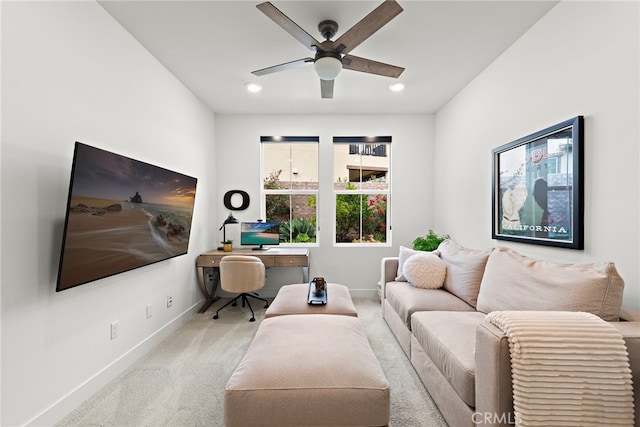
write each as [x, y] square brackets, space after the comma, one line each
[537, 194]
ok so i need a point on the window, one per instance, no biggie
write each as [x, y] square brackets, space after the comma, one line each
[290, 186]
[361, 168]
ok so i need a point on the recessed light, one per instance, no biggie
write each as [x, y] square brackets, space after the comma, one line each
[253, 87]
[397, 87]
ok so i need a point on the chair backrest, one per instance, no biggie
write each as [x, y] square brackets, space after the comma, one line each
[241, 273]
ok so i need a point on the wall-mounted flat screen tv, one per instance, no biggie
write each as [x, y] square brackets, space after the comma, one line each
[121, 214]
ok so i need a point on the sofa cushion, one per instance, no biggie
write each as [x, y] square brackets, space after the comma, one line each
[448, 338]
[515, 282]
[425, 270]
[406, 300]
[465, 268]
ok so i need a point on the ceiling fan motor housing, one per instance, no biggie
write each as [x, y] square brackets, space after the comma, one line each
[327, 54]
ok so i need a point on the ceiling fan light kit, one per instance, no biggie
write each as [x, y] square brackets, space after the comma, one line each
[332, 56]
[328, 65]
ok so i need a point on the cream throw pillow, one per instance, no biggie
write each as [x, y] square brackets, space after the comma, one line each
[425, 270]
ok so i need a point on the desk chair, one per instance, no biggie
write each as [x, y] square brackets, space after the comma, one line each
[242, 274]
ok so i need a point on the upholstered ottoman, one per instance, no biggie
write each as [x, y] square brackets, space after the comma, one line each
[292, 299]
[308, 370]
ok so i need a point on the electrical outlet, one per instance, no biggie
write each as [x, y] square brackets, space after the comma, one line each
[149, 312]
[169, 300]
[115, 329]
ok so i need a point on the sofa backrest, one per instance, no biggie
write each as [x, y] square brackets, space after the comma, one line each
[465, 268]
[513, 281]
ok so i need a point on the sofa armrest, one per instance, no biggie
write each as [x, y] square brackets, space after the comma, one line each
[630, 332]
[494, 391]
[388, 272]
[494, 396]
[629, 315]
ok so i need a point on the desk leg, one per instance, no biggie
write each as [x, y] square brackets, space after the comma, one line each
[209, 295]
[305, 274]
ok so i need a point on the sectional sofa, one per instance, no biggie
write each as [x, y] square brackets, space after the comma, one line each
[464, 361]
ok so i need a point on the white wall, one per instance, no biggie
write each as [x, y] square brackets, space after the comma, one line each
[70, 72]
[582, 58]
[238, 168]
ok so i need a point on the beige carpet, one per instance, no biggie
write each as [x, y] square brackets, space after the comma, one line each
[181, 382]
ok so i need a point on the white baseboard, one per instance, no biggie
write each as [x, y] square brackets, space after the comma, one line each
[61, 408]
[364, 293]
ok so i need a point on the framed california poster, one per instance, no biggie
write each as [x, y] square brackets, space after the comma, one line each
[537, 194]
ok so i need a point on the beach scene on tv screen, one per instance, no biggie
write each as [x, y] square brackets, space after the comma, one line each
[123, 214]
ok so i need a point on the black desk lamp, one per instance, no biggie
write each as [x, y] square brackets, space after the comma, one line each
[230, 220]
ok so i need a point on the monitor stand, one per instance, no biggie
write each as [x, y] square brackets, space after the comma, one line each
[260, 248]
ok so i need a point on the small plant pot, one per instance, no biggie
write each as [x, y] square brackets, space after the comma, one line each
[227, 247]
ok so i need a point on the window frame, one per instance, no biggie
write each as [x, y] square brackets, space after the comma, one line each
[366, 140]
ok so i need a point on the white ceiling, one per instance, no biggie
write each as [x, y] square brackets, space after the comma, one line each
[212, 47]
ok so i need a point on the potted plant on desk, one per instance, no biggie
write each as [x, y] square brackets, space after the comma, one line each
[227, 245]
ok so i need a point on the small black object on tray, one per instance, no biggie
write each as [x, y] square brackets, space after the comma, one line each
[317, 292]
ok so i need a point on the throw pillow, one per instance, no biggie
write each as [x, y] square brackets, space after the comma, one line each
[425, 270]
[404, 255]
[465, 268]
[513, 281]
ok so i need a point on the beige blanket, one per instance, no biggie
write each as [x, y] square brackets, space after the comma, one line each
[568, 369]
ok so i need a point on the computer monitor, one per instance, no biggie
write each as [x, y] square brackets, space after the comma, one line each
[260, 233]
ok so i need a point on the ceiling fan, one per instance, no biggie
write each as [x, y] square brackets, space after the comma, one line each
[332, 56]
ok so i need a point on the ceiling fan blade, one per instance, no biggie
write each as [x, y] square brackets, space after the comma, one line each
[368, 25]
[326, 88]
[281, 67]
[355, 63]
[288, 25]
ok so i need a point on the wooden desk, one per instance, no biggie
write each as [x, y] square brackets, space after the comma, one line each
[272, 257]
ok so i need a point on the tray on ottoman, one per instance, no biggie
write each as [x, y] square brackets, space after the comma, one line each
[293, 299]
[315, 297]
[308, 370]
